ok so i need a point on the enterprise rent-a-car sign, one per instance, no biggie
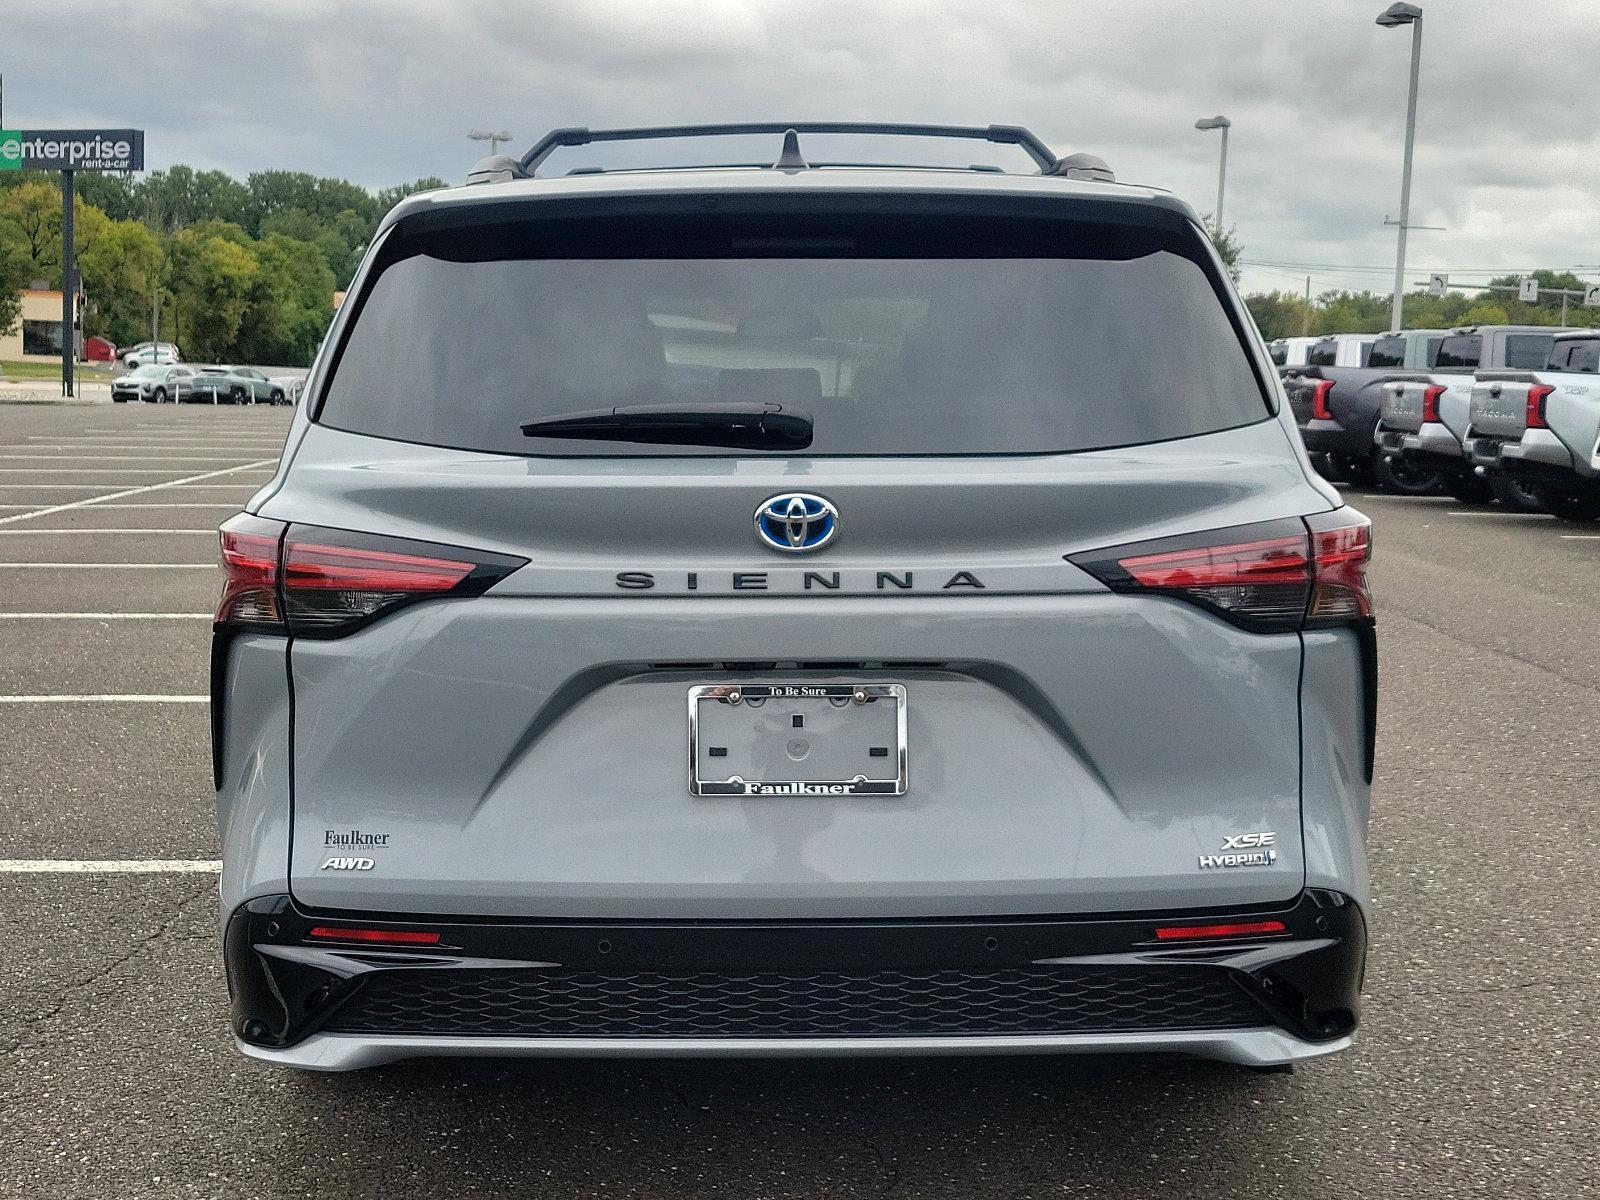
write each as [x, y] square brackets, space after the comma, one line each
[71, 149]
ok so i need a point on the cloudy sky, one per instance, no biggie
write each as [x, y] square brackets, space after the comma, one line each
[380, 91]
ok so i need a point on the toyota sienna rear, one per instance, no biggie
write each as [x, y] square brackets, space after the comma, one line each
[806, 609]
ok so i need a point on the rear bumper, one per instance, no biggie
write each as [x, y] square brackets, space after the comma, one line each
[723, 988]
[1331, 437]
[1432, 438]
[1534, 452]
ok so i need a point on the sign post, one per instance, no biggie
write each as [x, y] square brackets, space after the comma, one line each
[69, 151]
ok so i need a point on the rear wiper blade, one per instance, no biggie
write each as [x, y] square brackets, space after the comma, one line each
[737, 425]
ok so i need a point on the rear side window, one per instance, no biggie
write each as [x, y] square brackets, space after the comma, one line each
[1323, 354]
[1528, 351]
[1280, 354]
[1432, 355]
[1577, 355]
[1015, 343]
[1387, 352]
[1459, 350]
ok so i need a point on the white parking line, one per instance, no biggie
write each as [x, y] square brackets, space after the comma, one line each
[93, 470]
[135, 491]
[93, 566]
[109, 866]
[115, 458]
[104, 699]
[1471, 512]
[91, 616]
[80, 532]
[1580, 537]
[173, 504]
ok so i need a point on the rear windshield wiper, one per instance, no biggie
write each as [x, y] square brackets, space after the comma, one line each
[736, 425]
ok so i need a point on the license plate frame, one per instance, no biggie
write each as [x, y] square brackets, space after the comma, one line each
[892, 780]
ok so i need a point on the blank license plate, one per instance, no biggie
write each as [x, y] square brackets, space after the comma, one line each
[827, 739]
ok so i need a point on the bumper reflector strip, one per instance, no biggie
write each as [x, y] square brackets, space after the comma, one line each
[392, 937]
[1182, 933]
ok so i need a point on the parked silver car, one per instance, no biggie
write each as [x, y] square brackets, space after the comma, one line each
[153, 382]
[231, 385]
[793, 611]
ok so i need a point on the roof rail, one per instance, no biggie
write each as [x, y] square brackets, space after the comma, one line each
[1009, 135]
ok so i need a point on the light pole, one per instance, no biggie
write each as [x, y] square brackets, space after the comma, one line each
[1222, 123]
[1391, 17]
[494, 139]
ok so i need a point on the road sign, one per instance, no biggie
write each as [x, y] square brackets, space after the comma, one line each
[74, 149]
[1591, 295]
[10, 150]
[1528, 290]
[1438, 285]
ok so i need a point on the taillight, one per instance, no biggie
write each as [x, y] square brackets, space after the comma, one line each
[1537, 394]
[250, 573]
[1319, 400]
[1430, 403]
[1270, 578]
[325, 582]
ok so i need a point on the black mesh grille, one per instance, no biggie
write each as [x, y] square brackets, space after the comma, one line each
[1037, 1000]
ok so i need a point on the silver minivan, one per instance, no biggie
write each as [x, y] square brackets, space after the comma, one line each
[824, 604]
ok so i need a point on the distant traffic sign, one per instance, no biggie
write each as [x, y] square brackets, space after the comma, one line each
[73, 149]
[1591, 295]
[1438, 285]
[1528, 290]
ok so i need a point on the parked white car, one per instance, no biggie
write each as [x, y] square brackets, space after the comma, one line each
[146, 354]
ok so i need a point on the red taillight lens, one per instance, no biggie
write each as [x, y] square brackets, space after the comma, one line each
[250, 573]
[1430, 402]
[1270, 578]
[1339, 593]
[1236, 929]
[324, 582]
[387, 937]
[1319, 400]
[1537, 394]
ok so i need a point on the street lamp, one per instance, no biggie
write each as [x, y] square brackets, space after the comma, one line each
[1222, 123]
[1390, 18]
[494, 139]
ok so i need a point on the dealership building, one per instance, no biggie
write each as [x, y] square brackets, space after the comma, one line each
[36, 336]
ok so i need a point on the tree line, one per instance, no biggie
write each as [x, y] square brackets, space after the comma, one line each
[243, 271]
[1283, 314]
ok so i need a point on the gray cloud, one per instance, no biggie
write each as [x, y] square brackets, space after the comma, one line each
[384, 90]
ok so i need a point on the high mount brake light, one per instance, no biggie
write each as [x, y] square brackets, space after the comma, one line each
[1430, 403]
[1319, 400]
[1275, 577]
[326, 582]
[1537, 395]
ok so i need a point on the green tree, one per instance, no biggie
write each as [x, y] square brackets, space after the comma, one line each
[1485, 312]
[1351, 312]
[291, 303]
[212, 277]
[14, 277]
[1277, 314]
[1228, 245]
[120, 268]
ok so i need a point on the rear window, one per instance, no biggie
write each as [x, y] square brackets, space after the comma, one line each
[1387, 352]
[1323, 354]
[1459, 350]
[1280, 354]
[1529, 351]
[1432, 357]
[1580, 356]
[1059, 338]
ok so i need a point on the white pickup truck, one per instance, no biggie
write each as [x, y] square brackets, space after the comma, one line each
[1424, 418]
[1542, 427]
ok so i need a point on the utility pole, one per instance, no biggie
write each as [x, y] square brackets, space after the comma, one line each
[1305, 315]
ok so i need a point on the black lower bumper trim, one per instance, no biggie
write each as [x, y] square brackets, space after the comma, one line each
[795, 979]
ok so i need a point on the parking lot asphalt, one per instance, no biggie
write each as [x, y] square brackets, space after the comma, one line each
[1474, 1075]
